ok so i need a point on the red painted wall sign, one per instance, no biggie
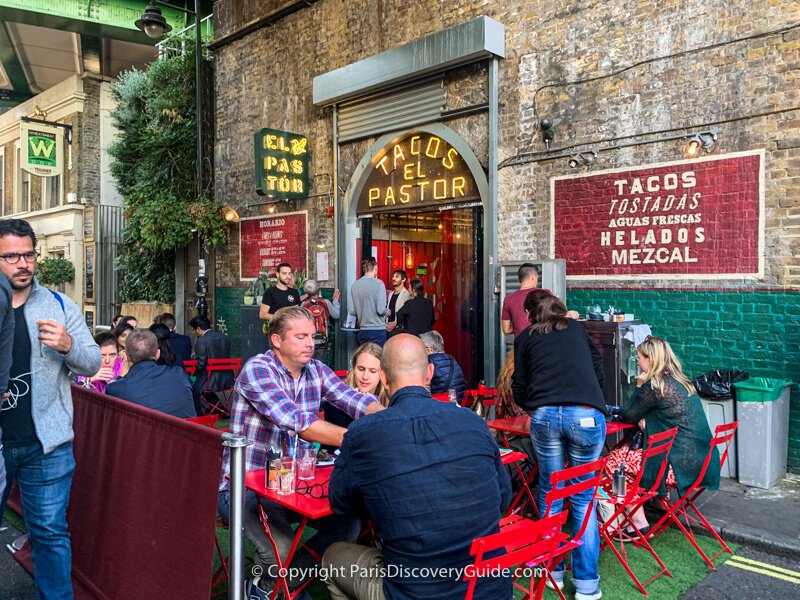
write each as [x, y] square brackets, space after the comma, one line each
[699, 219]
[266, 241]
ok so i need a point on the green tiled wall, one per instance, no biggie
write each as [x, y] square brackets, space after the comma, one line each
[229, 302]
[758, 331]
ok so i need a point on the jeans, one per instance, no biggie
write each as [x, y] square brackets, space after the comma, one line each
[574, 433]
[330, 529]
[44, 484]
[372, 335]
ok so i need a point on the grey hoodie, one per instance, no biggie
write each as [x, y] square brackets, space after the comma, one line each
[51, 397]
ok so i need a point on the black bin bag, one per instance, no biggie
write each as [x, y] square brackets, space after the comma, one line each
[718, 384]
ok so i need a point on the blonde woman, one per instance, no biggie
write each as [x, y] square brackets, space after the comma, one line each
[665, 398]
[364, 376]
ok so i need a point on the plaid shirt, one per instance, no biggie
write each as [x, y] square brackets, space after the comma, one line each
[268, 403]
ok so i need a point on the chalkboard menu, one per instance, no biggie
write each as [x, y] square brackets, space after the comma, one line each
[88, 270]
[88, 224]
[267, 241]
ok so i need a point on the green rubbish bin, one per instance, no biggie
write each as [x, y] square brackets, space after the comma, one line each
[762, 408]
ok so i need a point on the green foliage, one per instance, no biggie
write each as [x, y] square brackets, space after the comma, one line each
[54, 271]
[154, 164]
[145, 274]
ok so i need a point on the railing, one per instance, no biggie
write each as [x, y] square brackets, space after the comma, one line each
[175, 44]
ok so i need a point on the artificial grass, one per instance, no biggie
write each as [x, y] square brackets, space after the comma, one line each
[687, 568]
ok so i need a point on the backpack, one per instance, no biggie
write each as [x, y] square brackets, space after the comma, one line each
[319, 310]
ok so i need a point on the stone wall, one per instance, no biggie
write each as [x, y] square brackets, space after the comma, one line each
[604, 73]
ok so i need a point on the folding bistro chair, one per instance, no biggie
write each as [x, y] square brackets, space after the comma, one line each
[567, 483]
[522, 542]
[205, 420]
[190, 366]
[685, 505]
[658, 447]
[221, 398]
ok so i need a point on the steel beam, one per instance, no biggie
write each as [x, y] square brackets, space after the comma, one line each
[11, 64]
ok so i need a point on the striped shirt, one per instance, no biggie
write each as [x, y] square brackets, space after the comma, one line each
[270, 407]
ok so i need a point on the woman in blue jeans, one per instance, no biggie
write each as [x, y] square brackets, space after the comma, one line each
[558, 378]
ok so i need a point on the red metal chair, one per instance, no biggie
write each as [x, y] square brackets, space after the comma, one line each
[723, 436]
[523, 542]
[206, 420]
[220, 400]
[658, 447]
[565, 484]
[341, 374]
[190, 366]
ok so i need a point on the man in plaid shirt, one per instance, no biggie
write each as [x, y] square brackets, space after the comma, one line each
[277, 398]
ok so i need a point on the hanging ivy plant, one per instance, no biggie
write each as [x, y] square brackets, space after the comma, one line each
[153, 162]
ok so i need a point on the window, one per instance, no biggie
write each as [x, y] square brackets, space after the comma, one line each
[51, 191]
[22, 180]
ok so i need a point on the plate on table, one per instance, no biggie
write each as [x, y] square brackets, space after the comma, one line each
[327, 462]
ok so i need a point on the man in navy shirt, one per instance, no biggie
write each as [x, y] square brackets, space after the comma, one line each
[162, 388]
[429, 475]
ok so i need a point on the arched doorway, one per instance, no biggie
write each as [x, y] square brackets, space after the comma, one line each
[415, 202]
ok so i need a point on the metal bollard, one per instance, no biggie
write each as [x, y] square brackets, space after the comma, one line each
[237, 444]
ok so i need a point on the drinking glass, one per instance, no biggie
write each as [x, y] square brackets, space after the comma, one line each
[307, 461]
[286, 476]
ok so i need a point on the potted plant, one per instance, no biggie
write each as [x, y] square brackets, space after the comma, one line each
[54, 271]
[249, 296]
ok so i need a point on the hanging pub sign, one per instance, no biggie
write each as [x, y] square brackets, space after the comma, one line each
[417, 170]
[689, 219]
[42, 149]
[272, 239]
[281, 164]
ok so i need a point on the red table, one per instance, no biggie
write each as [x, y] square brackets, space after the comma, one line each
[521, 426]
[305, 505]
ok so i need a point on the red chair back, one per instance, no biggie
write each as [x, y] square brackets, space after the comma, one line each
[224, 364]
[443, 397]
[190, 366]
[522, 542]
[658, 447]
[722, 438]
[575, 480]
[341, 374]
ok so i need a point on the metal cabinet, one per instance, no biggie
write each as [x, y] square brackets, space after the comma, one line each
[616, 352]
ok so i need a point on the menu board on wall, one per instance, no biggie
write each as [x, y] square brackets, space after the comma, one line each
[88, 224]
[691, 219]
[88, 271]
[268, 240]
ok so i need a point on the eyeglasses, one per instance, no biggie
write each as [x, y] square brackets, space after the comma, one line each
[12, 258]
[315, 490]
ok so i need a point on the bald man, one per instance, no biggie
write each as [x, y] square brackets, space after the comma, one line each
[429, 475]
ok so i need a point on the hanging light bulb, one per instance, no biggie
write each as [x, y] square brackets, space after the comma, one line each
[409, 259]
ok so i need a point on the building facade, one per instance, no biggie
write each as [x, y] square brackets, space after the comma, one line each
[449, 138]
[76, 215]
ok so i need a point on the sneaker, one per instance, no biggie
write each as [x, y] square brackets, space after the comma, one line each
[558, 584]
[595, 595]
[253, 592]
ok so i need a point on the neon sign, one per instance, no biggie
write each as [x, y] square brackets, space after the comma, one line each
[417, 171]
[281, 164]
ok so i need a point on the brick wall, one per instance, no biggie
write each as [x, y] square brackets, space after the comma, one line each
[604, 73]
[756, 331]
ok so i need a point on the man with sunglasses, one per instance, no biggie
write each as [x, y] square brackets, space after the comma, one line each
[429, 475]
[50, 339]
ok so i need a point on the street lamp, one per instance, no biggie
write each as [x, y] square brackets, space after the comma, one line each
[155, 26]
